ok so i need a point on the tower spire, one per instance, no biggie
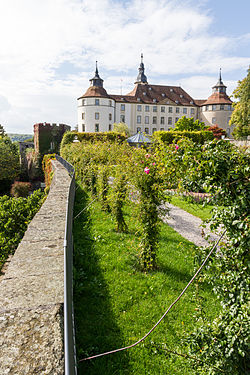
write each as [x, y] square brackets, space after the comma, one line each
[141, 78]
[96, 80]
[219, 87]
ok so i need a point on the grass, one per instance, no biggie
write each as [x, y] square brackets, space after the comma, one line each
[116, 304]
[196, 209]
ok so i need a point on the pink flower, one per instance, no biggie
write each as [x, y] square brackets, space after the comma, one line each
[176, 147]
[146, 170]
[147, 156]
[153, 163]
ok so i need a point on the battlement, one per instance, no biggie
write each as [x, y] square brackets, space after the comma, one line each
[47, 137]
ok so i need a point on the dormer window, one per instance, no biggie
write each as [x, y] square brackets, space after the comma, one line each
[171, 90]
[191, 102]
[150, 88]
[122, 99]
[181, 96]
[144, 93]
[163, 95]
[138, 99]
[177, 101]
[154, 100]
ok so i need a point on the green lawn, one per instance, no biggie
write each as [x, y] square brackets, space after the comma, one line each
[196, 209]
[116, 304]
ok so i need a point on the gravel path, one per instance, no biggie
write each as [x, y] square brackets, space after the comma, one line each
[188, 226]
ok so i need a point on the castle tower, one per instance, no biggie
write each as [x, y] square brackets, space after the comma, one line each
[217, 109]
[96, 109]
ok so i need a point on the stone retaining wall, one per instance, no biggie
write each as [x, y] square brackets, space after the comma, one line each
[32, 291]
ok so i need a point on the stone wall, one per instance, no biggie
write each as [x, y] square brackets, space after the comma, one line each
[32, 291]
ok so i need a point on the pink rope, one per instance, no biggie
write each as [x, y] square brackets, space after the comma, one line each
[166, 312]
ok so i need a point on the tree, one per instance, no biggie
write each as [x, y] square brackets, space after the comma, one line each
[241, 114]
[9, 163]
[2, 131]
[122, 128]
[189, 124]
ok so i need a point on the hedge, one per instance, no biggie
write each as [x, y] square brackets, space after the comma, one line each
[69, 137]
[171, 136]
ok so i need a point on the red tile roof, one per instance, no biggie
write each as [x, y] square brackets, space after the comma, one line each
[95, 91]
[218, 98]
[157, 94]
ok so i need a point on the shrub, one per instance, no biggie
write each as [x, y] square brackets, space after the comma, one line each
[20, 189]
[47, 168]
[217, 132]
[15, 214]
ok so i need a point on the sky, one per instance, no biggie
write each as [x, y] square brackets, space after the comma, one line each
[48, 51]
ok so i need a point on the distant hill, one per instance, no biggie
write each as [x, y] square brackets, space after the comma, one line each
[19, 137]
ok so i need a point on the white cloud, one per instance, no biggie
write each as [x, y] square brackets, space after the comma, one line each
[38, 37]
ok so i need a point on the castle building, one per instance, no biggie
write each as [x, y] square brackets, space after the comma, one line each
[148, 108]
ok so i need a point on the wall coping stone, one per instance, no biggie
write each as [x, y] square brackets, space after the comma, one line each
[32, 290]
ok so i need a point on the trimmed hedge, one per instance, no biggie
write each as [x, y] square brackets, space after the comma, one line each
[69, 137]
[171, 136]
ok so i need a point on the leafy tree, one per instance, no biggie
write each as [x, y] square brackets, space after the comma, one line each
[185, 123]
[2, 131]
[9, 163]
[122, 128]
[241, 114]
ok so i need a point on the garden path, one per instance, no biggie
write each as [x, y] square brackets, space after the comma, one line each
[188, 226]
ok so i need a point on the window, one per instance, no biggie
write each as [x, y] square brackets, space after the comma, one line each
[228, 132]
[110, 103]
[229, 107]
[170, 109]
[214, 120]
[83, 116]
[154, 120]
[97, 101]
[83, 102]
[192, 111]
[214, 107]
[147, 108]
[139, 108]
[162, 120]
[154, 130]
[154, 108]
[138, 119]
[146, 119]
[122, 118]
[110, 127]
[177, 109]
[146, 130]
[122, 107]
[222, 107]
[207, 107]
[97, 116]
[170, 121]
[185, 111]
[110, 116]
[162, 109]
[96, 127]
[83, 128]
[162, 129]
[176, 119]
[138, 130]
